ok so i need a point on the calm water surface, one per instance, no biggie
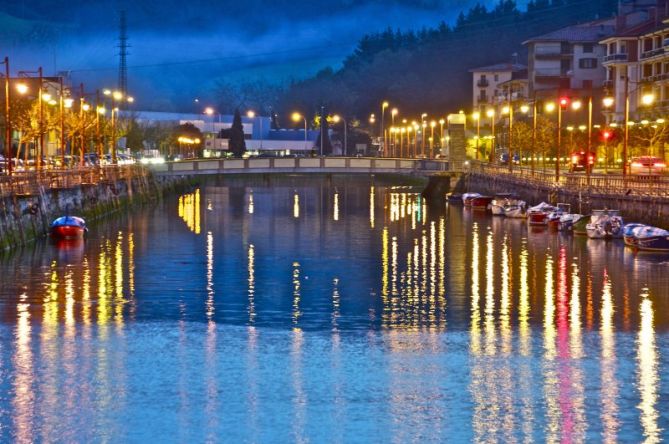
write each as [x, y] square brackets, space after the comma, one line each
[342, 310]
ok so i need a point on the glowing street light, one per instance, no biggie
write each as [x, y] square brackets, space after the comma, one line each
[608, 102]
[550, 107]
[117, 95]
[296, 117]
[576, 105]
[21, 88]
[648, 99]
[209, 111]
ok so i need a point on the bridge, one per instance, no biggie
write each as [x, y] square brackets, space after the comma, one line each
[302, 165]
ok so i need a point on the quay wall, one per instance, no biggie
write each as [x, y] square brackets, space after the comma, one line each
[26, 217]
[652, 210]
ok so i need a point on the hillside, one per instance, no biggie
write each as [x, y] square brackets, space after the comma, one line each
[427, 71]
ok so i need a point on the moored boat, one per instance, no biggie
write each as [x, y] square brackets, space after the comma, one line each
[630, 231]
[538, 215]
[454, 198]
[499, 202]
[516, 210]
[68, 227]
[605, 224]
[567, 221]
[468, 197]
[653, 239]
[553, 219]
[481, 202]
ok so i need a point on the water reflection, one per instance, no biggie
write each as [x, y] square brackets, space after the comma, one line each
[294, 301]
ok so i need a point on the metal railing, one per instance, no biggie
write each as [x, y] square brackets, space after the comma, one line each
[655, 186]
[29, 183]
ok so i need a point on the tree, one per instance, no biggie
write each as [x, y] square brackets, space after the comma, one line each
[237, 142]
[649, 140]
[324, 148]
[194, 136]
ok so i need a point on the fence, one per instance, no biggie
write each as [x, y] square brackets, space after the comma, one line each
[649, 186]
[29, 183]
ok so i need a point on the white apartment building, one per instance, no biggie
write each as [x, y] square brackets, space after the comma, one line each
[569, 61]
[491, 84]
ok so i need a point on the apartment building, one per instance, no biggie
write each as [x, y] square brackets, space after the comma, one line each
[492, 84]
[637, 61]
[568, 61]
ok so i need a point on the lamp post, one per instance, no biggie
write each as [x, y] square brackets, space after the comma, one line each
[491, 115]
[296, 118]
[432, 125]
[384, 105]
[8, 125]
[337, 118]
[393, 113]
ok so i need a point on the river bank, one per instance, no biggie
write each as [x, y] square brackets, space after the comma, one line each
[634, 206]
[26, 216]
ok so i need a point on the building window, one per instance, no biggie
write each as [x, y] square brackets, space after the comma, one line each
[588, 48]
[587, 63]
[496, 77]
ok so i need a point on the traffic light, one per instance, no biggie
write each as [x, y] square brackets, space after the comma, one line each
[564, 101]
[606, 135]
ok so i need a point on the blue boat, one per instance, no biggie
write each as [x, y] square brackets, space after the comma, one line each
[652, 239]
[68, 227]
[630, 231]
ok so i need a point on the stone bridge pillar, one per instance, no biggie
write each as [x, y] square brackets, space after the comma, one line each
[457, 142]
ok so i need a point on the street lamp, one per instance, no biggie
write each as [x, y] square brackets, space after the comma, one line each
[441, 133]
[491, 115]
[384, 105]
[296, 117]
[8, 128]
[432, 125]
[337, 118]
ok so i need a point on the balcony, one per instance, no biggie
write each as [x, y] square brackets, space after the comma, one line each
[483, 83]
[550, 73]
[552, 52]
[616, 58]
[482, 99]
[652, 53]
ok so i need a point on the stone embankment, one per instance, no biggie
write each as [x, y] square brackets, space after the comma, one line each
[638, 200]
[29, 203]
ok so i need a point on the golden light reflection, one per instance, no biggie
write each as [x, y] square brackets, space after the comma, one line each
[524, 329]
[86, 294]
[647, 372]
[609, 416]
[119, 300]
[252, 282]
[385, 271]
[475, 303]
[251, 204]
[505, 301]
[69, 303]
[489, 320]
[335, 211]
[189, 210]
[23, 401]
[551, 381]
[296, 206]
[372, 206]
[576, 343]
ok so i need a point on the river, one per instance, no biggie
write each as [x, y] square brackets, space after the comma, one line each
[344, 309]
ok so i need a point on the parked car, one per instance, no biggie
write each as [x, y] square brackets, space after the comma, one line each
[582, 161]
[647, 166]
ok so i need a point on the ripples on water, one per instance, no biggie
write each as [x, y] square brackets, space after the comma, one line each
[330, 310]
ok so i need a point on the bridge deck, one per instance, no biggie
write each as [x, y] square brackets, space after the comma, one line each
[343, 165]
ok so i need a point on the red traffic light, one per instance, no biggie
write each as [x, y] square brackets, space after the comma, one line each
[606, 135]
[564, 101]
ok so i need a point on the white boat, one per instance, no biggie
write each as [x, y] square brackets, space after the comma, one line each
[605, 224]
[498, 203]
[538, 214]
[516, 210]
[568, 220]
[468, 197]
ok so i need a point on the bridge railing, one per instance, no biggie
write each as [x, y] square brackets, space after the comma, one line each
[298, 164]
[30, 182]
[651, 185]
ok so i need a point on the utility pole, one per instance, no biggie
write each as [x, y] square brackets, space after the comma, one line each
[8, 124]
[123, 55]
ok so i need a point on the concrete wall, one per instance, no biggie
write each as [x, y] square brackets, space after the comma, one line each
[26, 218]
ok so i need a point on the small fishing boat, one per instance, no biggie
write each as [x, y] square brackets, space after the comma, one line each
[653, 239]
[499, 202]
[68, 227]
[630, 232]
[567, 221]
[553, 219]
[468, 197]
[605, 224]
[538, 215]
[454, 198]
[516, 210]
[481, 202]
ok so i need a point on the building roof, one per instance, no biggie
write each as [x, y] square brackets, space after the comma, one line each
[500, 67]
[638, 30]
[590, 32]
